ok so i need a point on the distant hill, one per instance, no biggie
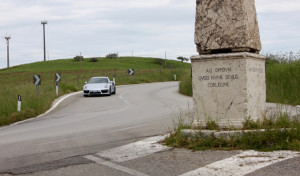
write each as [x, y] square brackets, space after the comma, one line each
[19, 80]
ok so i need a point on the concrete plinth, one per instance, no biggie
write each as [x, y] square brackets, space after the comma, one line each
[228, 88]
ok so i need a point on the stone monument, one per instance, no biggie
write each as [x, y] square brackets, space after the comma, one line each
[228, 74]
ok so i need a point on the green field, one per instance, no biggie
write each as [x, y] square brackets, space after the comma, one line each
[19, 80]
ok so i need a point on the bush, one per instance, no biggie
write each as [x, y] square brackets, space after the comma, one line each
[94, 59]
[112, 56]
[185, 86]
[78, 58]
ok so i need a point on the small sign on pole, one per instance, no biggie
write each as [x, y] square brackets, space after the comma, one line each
[131, 71]
[57, 80]
[37, 81]
[19, 103]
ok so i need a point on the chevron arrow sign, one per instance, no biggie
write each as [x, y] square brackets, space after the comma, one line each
[130, 71]
[37, 80]
[57, 77]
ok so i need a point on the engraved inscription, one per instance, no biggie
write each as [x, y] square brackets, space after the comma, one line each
[220, 77]
[256, 70]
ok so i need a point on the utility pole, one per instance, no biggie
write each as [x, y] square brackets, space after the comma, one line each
[7, 38]
[43, 23]
[165, 59]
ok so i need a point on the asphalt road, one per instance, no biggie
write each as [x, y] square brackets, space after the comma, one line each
[116, 135]
[80, 125]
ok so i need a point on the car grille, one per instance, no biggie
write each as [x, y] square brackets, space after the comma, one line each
[104, 91]
[86, 91]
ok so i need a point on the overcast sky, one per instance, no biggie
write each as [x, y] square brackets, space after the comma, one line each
[138, 27]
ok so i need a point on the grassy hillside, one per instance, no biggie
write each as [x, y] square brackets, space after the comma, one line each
[19, 80]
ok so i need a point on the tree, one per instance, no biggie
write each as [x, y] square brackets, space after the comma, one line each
[112, 56]
[78, 58]
[182, 58]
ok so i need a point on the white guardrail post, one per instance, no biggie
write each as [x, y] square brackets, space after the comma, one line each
[19, 103]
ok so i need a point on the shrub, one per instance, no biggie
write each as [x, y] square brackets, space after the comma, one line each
[78, 58]
[185, 86]
[112, 56]
[94, 59]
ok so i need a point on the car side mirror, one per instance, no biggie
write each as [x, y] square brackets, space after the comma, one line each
[85, 82]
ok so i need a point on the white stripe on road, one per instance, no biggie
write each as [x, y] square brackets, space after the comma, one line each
[114, 166]
[135, 150]
[243, 163]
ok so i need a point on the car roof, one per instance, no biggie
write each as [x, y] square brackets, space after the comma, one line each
[99, 77]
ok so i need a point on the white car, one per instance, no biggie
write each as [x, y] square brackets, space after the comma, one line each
[99, 86]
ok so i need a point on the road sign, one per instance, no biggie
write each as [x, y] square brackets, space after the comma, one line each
[130, 71]
[37, 80]
[57, 77]
[57, 80]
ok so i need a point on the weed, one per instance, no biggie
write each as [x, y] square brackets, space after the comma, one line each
[249, 124]
[185, 86]
[212, 125]
[280, 134]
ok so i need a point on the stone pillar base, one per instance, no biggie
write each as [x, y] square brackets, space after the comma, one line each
[228, 88]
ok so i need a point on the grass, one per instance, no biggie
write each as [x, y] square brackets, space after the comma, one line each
[283, 82]
[19, 80]
[279, 134]
[185, 86]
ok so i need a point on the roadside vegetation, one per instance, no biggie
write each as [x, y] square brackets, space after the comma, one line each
[74, 72]
[279, 134]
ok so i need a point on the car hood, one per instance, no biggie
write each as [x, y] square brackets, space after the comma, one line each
[96, 86]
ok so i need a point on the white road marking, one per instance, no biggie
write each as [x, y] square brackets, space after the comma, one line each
[114, 166]
[135, 150]
[243, 163]
[123, 99]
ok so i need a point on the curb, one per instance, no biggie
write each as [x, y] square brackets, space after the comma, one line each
[221, 134]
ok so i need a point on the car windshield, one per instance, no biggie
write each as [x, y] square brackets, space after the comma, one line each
[98, 80]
